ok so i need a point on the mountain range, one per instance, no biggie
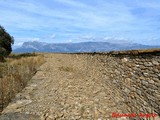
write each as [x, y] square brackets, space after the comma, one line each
[36, 46]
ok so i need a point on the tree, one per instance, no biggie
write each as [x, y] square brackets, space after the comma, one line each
[6, 42]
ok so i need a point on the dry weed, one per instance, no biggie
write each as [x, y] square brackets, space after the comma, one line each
[66, 69]
[14, 75]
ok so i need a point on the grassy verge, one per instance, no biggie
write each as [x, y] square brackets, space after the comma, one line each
[15, 73]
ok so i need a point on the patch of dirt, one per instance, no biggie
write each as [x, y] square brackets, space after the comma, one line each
[67, 87]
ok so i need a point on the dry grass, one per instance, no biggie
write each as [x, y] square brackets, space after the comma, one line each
[15, 73]
[66, 69]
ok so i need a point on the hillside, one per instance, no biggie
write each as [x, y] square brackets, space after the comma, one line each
[91, 86]
[36, 46]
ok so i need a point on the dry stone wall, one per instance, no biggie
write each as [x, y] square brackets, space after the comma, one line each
[135, 74]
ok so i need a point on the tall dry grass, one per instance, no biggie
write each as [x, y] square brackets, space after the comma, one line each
[14, 75]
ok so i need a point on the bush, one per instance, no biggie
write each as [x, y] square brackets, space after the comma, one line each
[6, 42]
[2, 54]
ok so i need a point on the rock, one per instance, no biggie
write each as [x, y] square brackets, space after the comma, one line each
[126, 90]
[98, 87]
[128, 81]
[151, 81]
[148, 64]
[144, 82]
[124, 60]
[138, 92]
[19, 116]
[155, 62]
[13, 107]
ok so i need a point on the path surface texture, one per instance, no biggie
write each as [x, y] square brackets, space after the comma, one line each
[65, 87]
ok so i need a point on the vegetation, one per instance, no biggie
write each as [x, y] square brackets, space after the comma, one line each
[15, 72]
[6, 42]
[66, 69]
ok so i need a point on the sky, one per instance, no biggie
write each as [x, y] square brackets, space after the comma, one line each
[59, 21]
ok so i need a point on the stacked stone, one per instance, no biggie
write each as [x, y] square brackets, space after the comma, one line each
[136, 77]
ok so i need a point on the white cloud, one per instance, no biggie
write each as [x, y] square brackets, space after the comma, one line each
[69, 41]
[17, 45]
[20, 40]
[53, 36]
[23, 39]
[75, 20]
[87, 37]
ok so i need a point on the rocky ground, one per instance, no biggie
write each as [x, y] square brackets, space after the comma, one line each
[66, 87]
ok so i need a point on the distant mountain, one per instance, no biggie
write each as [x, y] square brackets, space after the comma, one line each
[36, 46]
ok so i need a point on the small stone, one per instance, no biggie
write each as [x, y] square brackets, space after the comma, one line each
[153, 87]
[156, 80]
[138, 92]
[122, 118]
[158, 75]
[145, 83]
[148, 64]
[51, 117]
[142, 78]
[155, 62]
[133, 89]
[151, 81]
[128, 81]
[145, 74]
[156, 70]
[124, 60]
[126, 90]
[142, 67]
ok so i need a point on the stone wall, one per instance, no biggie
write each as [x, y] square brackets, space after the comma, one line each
[135, 74]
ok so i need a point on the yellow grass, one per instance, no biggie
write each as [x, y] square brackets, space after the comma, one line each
[66, 69]
[15, 73]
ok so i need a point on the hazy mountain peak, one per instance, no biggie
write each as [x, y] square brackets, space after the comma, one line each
[90, 46]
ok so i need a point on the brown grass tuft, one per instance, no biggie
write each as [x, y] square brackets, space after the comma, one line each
[66, 69]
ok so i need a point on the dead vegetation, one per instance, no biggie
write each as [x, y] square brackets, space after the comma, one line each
[66, 69]
[15, 73]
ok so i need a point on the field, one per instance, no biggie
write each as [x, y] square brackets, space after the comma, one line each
[81, 85]
[15, 71]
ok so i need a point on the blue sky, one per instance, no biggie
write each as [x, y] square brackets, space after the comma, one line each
[82, 20]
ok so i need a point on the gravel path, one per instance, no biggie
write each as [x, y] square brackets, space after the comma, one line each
[66, 87]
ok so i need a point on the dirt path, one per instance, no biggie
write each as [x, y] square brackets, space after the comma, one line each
[66, 87]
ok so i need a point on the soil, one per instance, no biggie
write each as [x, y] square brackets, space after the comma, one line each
[66, 87]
